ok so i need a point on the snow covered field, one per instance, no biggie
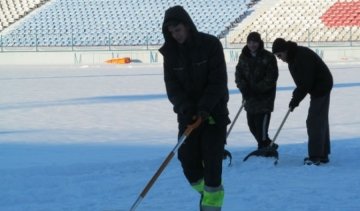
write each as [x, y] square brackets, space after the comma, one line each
[89, 138]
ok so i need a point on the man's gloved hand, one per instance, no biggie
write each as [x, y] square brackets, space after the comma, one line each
[203, 114]
[199, 118]
[187, 109]
[293, 104]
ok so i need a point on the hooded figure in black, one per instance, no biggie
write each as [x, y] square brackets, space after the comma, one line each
[196, 84]
[256, 76]
[313, 77]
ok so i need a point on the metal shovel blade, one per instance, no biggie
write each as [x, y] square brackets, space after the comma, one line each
[265, 152]
[226, 155]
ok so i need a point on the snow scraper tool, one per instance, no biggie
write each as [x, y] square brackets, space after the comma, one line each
[270, 151]
[162, 167]
[227, 154]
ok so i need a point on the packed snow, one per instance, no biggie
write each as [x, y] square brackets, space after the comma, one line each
[89, 138]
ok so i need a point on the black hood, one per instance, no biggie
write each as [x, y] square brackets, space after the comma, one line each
[177, 14]
[291, 47]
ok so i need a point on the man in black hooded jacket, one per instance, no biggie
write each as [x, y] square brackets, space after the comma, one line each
[311, 76]
[196, 84]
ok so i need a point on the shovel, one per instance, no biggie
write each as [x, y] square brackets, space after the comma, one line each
[227, 154]
[271, 150]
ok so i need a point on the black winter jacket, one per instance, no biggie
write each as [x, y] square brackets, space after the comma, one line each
[310, 73]
[194, 72]
[256, 78]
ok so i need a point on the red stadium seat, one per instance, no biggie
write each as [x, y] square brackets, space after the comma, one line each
[344, 14]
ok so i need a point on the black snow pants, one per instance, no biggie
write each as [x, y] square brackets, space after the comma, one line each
[201, 154]
[317, 124]
[259, 126]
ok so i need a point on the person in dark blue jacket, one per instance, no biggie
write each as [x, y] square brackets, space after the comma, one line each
[196, 84]
[311, 76]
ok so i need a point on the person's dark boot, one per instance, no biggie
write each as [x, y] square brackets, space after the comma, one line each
[266, 144]
[324, 160]
[316, 160]
[311, 161]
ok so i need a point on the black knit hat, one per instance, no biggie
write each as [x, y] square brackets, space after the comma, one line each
[279, 45]
[253, 36]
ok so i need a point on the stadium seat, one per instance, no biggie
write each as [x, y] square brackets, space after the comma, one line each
[115, 17]
[300, 18]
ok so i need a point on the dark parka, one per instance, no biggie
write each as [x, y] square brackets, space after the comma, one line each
[310, 73]
[256, 78]
[194, 72]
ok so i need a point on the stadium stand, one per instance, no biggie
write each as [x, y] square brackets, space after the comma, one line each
[13, 10]
[305, 21]
[117, 23]
[342, 14]
[61, 23]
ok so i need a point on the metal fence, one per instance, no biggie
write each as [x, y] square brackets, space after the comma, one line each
[111, 42]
